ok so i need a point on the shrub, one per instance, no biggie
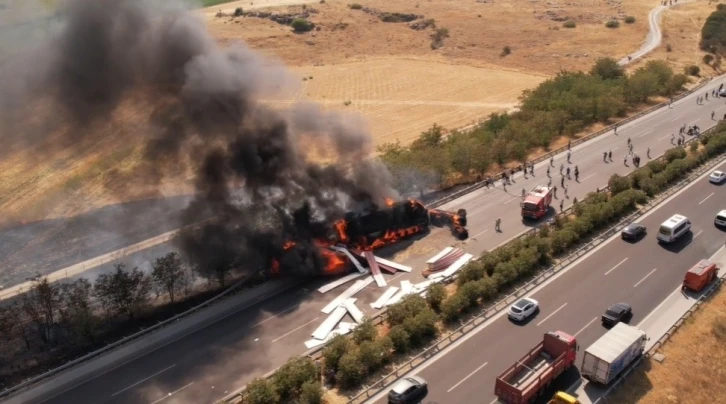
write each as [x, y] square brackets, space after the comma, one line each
[452, 306]
[400, 339]
[629, 19]
[312, 391]
[607, 69]
[407, 308]
[238, 12]
[693, 70]
[365, 331]
[656, 166]
[470, 291]
[355, 6]
[674, 154]
[669, 48]
[435, 295]
[292, 375]
[351, 370]
[506, 51]
[707, 59]
[371, 355]
[612, 24]
[334, 350]
[718, 327]
[261, 391]
[301, 25]
[618, 184]
[569, 24]
[694, 147]
[422, 327]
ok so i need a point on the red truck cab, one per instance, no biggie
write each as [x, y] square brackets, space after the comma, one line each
[537, 202]
[522, 382]
[700, 275]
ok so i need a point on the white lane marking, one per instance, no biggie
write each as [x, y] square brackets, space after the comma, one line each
[698, 234]
[513, 199]
[552, 314]
[479, 234]
[496, 400]
[665, 136]
[172, 393]
[467, 376]
[677, 118]
[644, 278]
[142, 380]
[583, 328]
[706, 198]
[646, 133]
[617, 265]
[589, 176]
[291, 308]
[286, 334]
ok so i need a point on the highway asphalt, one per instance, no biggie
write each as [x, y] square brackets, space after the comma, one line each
[642, 273]
[206, 365]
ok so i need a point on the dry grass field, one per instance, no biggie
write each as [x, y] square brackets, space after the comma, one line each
[693, 369]
[681, 27]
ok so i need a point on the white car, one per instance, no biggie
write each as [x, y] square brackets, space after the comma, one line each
[720, 219]
[717, 177]
[522, 309]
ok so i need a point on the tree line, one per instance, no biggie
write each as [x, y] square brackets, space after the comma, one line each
[561, 106]
[51, 320]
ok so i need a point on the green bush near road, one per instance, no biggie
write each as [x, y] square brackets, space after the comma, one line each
[298, 380]
[713, 33]
[612, 24]
[561, 106]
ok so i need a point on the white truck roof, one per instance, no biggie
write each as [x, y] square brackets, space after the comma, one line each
[615, 342]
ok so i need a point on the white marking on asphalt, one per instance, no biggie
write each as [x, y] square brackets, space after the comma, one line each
[552, 314]
[589, 176]
[142, 380]
[646, 133]
[172, 393]
[698, 234]
[666, 136]
[586, 325]
[513, 199]
[496, 400]
[677, 118]
[617, 265]
[644, 278]
[291, 308]
[467, 376]
[285, 335]
[478, 234]
[706, 198]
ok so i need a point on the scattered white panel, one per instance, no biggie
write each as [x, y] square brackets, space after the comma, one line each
[437, 277]
[354, 311]
[332, 285]
[458, 264]
[406, 288]
[385, 297]
[329, 324]
[353, 289]
[346, 325]
[352, 259]
[439, 256]
[420, 287]
[391, 264]
[310, 344]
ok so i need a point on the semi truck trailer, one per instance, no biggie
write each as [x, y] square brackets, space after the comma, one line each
[606, 358]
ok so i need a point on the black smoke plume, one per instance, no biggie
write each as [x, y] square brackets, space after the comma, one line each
[256, 187]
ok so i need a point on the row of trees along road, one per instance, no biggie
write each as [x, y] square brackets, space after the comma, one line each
[562, 106]
[51, 321]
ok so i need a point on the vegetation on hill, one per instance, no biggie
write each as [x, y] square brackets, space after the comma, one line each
[561, 106]
[713, 33]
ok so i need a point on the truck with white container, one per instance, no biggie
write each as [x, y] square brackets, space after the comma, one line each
[606, 358]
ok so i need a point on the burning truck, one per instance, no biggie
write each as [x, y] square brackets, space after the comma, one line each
[375, 227]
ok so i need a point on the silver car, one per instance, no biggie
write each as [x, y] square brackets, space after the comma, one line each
[522, 309]
[410, 389]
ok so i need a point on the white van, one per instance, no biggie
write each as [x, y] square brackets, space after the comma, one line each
[721, 218]
[673, 228]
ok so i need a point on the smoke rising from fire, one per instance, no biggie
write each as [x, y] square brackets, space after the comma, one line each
[253, 176]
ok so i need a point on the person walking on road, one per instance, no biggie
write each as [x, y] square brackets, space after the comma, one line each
[552, 161]
[562, 167]
[577, 174]
[615, 129]
[647, 153]
[554, 191]
[568, 172]
[562, 205]
[569, 154]
[673, 138]
[610, 155]
[524, 192]
[605, 156]
[625, 160]
[549, 182]
[629, 141]
[565, 188]
[569, 145]
[562, 181]
[497, 225]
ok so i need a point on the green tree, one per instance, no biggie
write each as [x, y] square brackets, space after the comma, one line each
[311, 393]
[170, 276]
[351, 369]
[607, 68]
[431, 138]
[713, 33]
[41, 303]
[261, 391]
[365, 331]
[400, 339]
[642, 85]
[435, 295]
[334, 350]
[301, 25]
[618, 184]
[123, 292]
[290, 378]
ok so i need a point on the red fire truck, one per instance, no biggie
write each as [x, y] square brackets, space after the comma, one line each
[537, 202]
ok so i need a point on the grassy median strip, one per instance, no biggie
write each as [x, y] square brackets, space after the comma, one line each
[410, 325]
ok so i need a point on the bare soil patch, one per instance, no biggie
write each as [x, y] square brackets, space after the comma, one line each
[692, 371]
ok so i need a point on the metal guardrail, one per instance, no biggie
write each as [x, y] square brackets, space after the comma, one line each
[581, 140]
[493, 309]
[661, 341]
[17, 388]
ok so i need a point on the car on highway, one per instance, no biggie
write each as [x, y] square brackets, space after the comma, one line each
[633, 232]
[717, 177]
[523, 308]
[616, 313]
[720, 218]
[410, 389]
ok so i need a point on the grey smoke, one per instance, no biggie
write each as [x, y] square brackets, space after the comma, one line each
[252, 175]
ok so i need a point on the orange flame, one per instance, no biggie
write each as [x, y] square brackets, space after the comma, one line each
[341, 227]
[389, 202]
[392, 236]
[335, 264]
[275, 268]
[288, 245]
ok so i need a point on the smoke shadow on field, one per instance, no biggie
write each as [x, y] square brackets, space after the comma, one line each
[45, 246]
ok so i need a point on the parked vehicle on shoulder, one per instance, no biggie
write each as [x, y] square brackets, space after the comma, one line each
[522, 309]
[410, 389]
[700, 275]
[607, 357]
[720, 218]
[674, 227]
[633, 232]
[616, 313]
[717, 177]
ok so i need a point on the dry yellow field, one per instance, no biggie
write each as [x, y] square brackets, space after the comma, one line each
[693, 370]
[681, 27]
